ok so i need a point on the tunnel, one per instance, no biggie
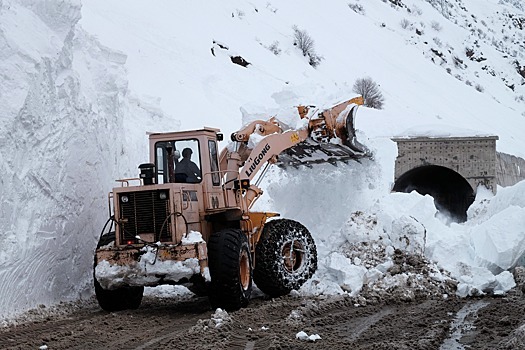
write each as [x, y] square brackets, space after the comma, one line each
[451, 192]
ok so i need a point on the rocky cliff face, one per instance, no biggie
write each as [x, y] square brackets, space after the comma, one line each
[509, 169]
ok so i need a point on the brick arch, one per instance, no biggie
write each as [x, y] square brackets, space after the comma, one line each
[452, 193]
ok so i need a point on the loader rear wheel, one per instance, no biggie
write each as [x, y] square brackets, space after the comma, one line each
[117, 299]
[285, 257]
[230, 265]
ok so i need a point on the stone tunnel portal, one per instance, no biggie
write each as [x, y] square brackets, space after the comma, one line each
[451, 192]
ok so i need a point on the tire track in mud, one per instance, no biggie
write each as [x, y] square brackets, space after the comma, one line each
[463, 325]
[96, 329]
[499, 325]
[273, 324]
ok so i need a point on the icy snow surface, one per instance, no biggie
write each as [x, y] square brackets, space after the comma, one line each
[81, 83]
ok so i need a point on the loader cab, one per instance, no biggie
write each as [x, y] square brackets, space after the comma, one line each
[186, 157]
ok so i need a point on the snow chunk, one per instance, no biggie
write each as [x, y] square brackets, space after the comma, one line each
[168, 291]
[349, 276]
[220, 317]
[304, 336]
[499, 243]
[192, 238]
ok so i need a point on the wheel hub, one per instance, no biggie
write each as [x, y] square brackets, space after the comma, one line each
[244, 270]
[293, 254]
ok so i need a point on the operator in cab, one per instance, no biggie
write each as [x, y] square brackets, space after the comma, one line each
[186, 170]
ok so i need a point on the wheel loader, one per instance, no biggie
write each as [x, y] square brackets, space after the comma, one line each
[187, 218]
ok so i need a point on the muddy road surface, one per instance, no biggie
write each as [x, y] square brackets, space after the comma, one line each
[164, 323]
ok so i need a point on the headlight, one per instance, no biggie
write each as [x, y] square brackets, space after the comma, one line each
[163, 195]
[124, 199]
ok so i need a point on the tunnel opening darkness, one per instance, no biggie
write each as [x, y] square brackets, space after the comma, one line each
[451, 192]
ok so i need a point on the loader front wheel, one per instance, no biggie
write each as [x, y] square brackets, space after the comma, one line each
[123, 298]
[285, 257]
[230, 264]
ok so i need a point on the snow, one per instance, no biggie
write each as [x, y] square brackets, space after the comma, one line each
[220, 317]
[440, 130]
[192, 237]
[82, 82]
[304, 336]
[147, 271]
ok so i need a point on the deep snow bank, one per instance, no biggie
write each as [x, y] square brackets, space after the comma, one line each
[62, 104]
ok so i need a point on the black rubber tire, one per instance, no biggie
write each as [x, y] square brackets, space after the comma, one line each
[117, 299]
[230, 264]
[125, 298]
[275, 275]
[199, 286]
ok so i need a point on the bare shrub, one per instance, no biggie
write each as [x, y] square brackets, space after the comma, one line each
[369, 89]
[405, 23]
[240, 13]
[436, 26]
[416, 10]
[274, 47]
[458, 62]
[357, 8]
[314, 60]
[306, 44]
[479, 88]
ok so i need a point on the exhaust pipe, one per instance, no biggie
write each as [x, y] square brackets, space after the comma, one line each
[147, 173]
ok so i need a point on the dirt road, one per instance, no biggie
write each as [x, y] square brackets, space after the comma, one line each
[438, 323]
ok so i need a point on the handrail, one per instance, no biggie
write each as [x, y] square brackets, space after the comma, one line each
[125, 182]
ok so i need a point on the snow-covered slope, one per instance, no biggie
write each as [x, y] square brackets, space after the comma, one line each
[81, 83]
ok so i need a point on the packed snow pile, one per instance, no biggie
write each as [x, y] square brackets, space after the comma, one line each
[220, 318]
[399, 243]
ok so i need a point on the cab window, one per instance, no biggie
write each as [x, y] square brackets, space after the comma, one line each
[215, 176]
[186, 163]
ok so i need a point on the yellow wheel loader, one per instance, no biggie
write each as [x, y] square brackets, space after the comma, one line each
[187, 218]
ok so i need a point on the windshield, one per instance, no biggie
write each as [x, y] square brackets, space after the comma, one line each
[185, 165]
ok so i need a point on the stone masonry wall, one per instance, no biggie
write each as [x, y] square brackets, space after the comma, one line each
[474, 158]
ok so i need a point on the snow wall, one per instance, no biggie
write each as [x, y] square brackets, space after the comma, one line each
[63, 99]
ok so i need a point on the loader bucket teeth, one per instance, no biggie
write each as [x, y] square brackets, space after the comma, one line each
[311, 152]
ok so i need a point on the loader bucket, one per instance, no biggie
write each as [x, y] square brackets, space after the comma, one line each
[331, 138]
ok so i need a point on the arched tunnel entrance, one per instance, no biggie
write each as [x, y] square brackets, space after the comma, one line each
[451, 192]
